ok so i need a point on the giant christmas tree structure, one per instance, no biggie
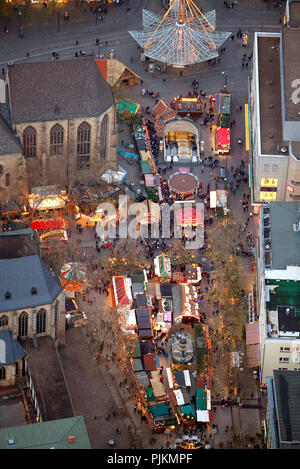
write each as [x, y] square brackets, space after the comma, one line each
[183, 36]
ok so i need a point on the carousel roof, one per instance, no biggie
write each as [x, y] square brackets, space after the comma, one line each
[183, 183]
[183, 36]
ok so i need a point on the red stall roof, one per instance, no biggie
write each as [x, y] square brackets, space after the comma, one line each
[223, 137]
[121, 291]
[149, 362]
[48, 224]
[188, 215]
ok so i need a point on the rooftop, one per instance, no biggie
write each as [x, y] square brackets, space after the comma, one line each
[291, 40]
[9, 143]
[286, 390]
[285, 242]
[13, 349]
[48, 379]
[47, 435]
[269, 94]
[18, 243]
[19, 277]
[74, 88]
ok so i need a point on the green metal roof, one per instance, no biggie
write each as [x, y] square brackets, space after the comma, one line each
[201, 399]
[146, 167]
[127, 106]
[187, 410]
[159, 410]
[47, 435]
[286, 294]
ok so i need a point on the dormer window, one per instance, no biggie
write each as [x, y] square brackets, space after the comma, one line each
[34, 291]
[8, 295]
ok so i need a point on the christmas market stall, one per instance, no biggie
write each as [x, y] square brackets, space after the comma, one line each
[127, 108]
[47, 198]
[162, 266]
[73, 277]
[52, 231]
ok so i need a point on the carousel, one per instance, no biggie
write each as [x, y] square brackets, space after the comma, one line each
[73, 276]
[183, 184]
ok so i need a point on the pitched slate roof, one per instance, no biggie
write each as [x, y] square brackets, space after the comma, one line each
[46, 435]
[18, 276]
[12, 349]
[57, 89]
[9, 143]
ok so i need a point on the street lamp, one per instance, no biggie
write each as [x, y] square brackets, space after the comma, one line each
[58, 10]
[96, 11]
[20, 13]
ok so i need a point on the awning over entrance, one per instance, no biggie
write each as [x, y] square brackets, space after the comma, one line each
[252, 343]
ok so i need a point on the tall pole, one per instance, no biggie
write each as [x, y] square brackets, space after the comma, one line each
[20, 13]
[58, 7]
[96, 11]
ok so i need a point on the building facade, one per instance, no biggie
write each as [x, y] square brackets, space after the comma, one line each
[274, 113]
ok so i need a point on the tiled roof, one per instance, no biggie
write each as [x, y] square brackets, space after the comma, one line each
[19, 276]
[9, 143]
[13, 349]
[57, 89]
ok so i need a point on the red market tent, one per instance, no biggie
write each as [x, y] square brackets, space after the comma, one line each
[149, 362]
[188, 216]
[48, 224]
[223, 139]
[120, 291]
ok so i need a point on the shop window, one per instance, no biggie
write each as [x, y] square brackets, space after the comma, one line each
[7, 179]
[2, 373]
[285, 349]
[284, 360]
[29, 142]
[56, 140]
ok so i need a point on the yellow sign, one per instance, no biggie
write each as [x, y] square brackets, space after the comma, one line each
[269, 182]
[267, 196]
[247, 127]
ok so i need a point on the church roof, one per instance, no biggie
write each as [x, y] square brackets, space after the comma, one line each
[18, 278]
[9, 143]
[57, 89]
[12, 349]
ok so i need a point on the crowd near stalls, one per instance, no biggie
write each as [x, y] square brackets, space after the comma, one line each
[167, 342]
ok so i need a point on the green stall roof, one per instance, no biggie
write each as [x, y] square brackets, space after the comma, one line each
[187, 410]
[127, 106]
[159, 410]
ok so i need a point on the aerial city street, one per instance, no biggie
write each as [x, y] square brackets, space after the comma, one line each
[149, 224]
